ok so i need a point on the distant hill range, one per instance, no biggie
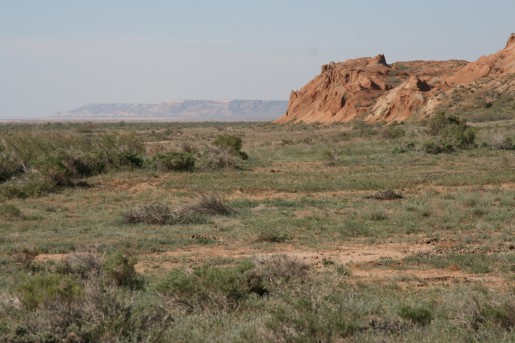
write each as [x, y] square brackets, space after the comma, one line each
[183, 110]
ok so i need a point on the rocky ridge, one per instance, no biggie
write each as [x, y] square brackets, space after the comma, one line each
[372, 89]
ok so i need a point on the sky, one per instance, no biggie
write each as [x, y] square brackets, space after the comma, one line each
[57, 55]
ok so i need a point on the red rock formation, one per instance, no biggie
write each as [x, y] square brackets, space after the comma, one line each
[376, 91]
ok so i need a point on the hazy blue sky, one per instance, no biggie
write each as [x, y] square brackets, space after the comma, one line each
[60, 54]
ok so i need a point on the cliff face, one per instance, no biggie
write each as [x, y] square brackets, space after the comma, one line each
[377, 91]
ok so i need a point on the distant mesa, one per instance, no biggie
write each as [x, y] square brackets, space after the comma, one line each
[183, 110]
[373, 90]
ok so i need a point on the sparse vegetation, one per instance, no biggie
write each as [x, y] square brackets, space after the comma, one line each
[162, 235]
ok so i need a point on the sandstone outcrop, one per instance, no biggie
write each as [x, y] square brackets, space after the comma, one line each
[374, 90]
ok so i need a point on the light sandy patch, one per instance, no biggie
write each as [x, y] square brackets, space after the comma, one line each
[196, 255]
[49, 257]
[427, 277]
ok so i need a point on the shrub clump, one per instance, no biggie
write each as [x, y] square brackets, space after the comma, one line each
[10, 212]
[417, 315]
[39, 162]
[119, 268]
[40, 289]
[211, 204]
[271, 235]
[162, 214]
[393, 131]
[174, 161]
[388, 194]
[231, 143]
[89, 298]
[451, 134]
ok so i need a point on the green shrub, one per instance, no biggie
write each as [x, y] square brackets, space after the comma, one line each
[207, 286]
[393, 131]
[502, 315]
[174, 161]
[37, 162]
[309, 319]
[451, 134]
[419, 315]
[363, 129]
[387, 194]
[274, 274]
[9, 168]
[121, 150]
[42, 288]
[10, 212]
[233, 144]
[438, 122]
[119, 268]
[331, 157]
[216, 158]
[271, 235]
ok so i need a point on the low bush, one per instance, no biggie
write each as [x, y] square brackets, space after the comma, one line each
[119, 268]
[211, 204]
[393, 131]
[502, 142]
[388, 194]
[451, 134]
[404, 148]
[39, 289]
[206, 287]
[162, 214]
[173, 161]
[502, 315]
[363, 129]
[63, 310]
[307, 318]
[232, 143]
[10, 212]
[38, 162]
[216, 158]
[9, 168]
[273, 274]
[271, 235]
[331, 158]
[419, 315]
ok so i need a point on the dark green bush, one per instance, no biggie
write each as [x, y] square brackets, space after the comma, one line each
[419, 315]
[451, 134]
[173, 161]
[9, 168]
[38, 162]
[233, 144]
